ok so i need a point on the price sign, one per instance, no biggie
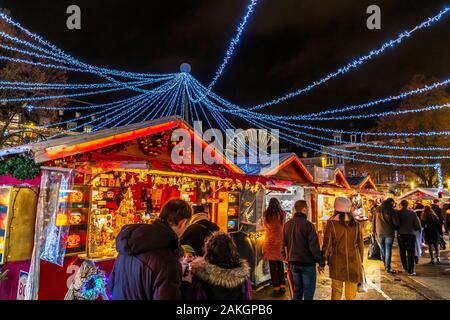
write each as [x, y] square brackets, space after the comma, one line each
[23, 277]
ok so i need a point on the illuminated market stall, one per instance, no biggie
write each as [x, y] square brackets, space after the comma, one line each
[325, 194]
[94, 183]
[425, 195]
[364, 190]
[18, 199]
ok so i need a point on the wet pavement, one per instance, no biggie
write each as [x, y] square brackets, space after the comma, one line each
[431, 283]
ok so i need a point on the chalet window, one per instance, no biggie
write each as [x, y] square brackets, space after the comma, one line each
[71, 125]
[339, 160]
[353, 138]
[353, 172]
[337, 139]
[363, 138]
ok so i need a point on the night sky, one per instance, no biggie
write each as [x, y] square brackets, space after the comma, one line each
[288, 44]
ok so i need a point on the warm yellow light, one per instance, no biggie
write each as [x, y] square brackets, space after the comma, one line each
[412, 184]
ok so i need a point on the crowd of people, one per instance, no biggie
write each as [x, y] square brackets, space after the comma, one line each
[415, 227]
[183, 255]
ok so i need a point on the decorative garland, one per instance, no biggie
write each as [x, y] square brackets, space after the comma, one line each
[20, 167]
[94, 287]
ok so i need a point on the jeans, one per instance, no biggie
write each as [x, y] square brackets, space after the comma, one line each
[407, 246]
[337, 286]
[436, 251]
[304, 282]
[386, 244]
[277, 274]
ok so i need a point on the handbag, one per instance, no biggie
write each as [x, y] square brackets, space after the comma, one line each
[373, 252]
[364, 286]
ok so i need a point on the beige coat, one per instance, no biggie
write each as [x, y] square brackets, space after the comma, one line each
[343, 247]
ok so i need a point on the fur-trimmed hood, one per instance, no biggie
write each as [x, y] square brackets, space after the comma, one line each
[217, 276]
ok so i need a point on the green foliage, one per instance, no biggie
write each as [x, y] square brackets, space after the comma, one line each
[20, 167]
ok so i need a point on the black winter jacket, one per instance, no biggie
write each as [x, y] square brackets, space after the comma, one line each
[301, 240]
[148, 266]
[409, 222]
[223, 284]
[438, 212]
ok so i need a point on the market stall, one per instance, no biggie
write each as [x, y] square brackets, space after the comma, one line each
[425, 195]
[18, 200]
[364, 190]
[324, 195]
[93, 184]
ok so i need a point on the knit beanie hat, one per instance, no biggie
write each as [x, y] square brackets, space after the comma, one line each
[342, 204]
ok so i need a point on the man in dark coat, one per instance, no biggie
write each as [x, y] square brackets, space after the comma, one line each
[199, 230]
[386, 222]
[148, 265]
[409, 224]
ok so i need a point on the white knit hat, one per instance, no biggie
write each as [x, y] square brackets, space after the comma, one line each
[342, 204]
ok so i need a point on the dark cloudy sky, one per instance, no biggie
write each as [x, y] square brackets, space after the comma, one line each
[288, 43]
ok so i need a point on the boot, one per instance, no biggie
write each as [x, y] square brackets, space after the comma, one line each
[431, 256]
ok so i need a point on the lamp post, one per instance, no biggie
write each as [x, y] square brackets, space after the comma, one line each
[186, 68]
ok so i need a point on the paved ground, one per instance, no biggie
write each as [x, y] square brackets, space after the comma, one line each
[431, 283]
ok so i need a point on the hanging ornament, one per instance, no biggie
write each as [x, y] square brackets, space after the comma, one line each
[132, 181]
[142, 177]
[233, 186]
[226, 184]
[239, 184]
[123, 176]
[203, 187]
[247, 185]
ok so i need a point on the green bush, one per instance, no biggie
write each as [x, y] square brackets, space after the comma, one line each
[20, 167]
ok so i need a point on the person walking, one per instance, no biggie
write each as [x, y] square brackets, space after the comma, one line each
[273, 222]
[386, 221]
[148, 265]
[438, 210]
[433, 232]
[302, 251]
[409, 224]
[343, 247]
[221, 272]
[199, 230]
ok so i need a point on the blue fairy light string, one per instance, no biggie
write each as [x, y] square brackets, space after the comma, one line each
[359, 61]
[232, 46]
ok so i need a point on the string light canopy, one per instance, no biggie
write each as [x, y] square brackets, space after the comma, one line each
[159, 95]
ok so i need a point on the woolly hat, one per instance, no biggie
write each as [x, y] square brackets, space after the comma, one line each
[342, 204]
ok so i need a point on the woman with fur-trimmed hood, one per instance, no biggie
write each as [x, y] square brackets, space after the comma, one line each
[221, 272]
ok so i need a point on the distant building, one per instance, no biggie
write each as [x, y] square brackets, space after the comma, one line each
[322, 165]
